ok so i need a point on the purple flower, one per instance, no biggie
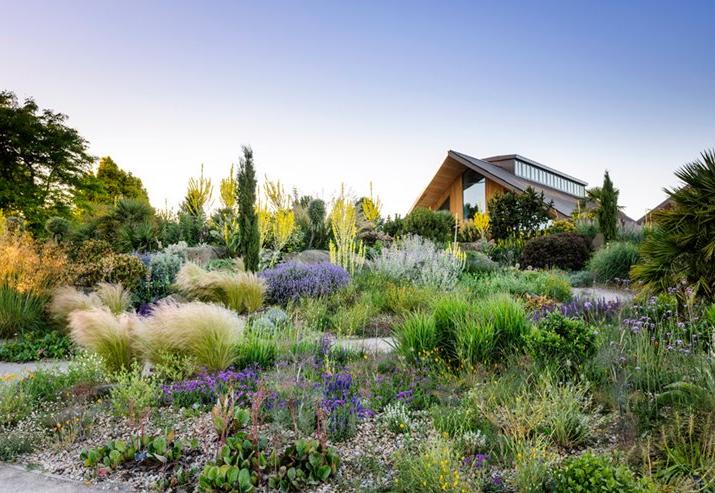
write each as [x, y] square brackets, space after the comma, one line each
[291, 280]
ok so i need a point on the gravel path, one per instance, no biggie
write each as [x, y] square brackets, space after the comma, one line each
[371, 345]
[609, 294]
[8, 371]
[16, 479]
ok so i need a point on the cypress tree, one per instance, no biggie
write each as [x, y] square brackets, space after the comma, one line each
[608, 210]
[250, 242]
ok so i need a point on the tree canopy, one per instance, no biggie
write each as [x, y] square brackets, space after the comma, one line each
[518, 215]
[42, 161]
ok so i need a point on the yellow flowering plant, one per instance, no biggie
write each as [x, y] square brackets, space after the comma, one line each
[345, 250]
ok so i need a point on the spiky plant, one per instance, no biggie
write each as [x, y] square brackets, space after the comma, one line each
[681, 246]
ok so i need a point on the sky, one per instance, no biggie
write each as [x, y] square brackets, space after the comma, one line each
[372, 91]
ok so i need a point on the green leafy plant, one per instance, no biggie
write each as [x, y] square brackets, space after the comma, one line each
[156, 450]
[37, 345]
[304, 463]
[591, 473]
[239, 466]
[517, 215]
[562, 342]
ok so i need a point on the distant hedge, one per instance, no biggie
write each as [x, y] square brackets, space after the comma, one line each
[568, 251]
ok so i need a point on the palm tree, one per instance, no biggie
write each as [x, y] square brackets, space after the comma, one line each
[681, 247]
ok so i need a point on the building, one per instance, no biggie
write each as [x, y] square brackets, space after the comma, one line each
[464, 184]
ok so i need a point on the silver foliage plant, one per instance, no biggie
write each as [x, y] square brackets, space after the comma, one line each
[419, 261]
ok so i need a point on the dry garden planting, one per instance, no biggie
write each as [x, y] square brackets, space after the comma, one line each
[230, 348]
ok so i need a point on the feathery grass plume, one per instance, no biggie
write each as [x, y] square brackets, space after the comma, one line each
[208, 333]
[102, 332]
[194, 282]
[67, 299]
[241, 291]
[114, 297]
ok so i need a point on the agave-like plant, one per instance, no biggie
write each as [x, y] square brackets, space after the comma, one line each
[681, 246]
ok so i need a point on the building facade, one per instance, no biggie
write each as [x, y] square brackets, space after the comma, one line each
[464, 184]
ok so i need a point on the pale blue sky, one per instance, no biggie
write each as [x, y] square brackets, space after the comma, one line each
[331, 92]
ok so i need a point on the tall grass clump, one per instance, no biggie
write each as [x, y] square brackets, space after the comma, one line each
[115, 297]
[206, 332]
[614, 261]
[108, 335]
[239, 291]
[19, 312]
[552, 284]
[416, 336]
[419, 261]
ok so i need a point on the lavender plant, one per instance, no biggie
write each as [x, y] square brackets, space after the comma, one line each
[290, 281]
[342, 405]
[206, 388]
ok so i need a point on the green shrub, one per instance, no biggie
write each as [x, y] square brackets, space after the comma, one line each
[562, 342]
[568, 251]
[478, 263]
[134, 394]
[416, 336]
[19, 312]
[591, 473]
[561, 226]
[116, 268]
[614, 261]
[49, 385]
[437, 226]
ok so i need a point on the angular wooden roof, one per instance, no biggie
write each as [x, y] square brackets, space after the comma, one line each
[456, 162]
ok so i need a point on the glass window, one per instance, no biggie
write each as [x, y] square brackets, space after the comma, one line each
[473, 193]
[445, 205]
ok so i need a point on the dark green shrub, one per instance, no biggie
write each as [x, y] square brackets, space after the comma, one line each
[19, 312]
[117, 268]
[394, 226]
[561, 341]
[594, 474]
[568, 251]
[58, 227]
[437, 226]
[614, 261]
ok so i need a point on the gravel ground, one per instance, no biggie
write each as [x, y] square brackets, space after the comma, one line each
[365, 459]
